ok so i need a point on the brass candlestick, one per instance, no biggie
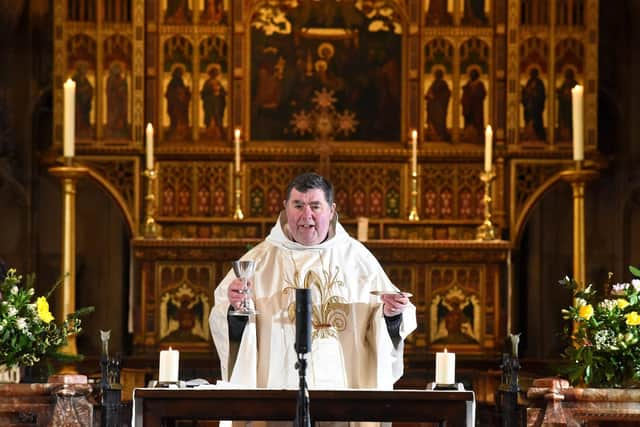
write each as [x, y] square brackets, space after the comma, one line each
[151, 228]
[413, 214]
[577, 177]
[69, 175]
[486, 231]
[238, 214]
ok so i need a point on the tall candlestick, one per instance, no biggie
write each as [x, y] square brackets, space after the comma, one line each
[445, 367]
[69, 118]
[169, 366]
[577, 102]
[414, 152]
[149, 133]
[488, 148]
[236, 139]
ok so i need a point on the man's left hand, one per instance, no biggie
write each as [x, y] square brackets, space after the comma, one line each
[394, 304]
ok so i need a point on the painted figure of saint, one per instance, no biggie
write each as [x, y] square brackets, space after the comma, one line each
[473, 94]
[117, 102]
[84, 96]
[214, 102]
[178, 97]
[437, 99]
[565, 121]
[533, 99]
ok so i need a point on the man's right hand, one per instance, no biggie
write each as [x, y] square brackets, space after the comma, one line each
[236, 293]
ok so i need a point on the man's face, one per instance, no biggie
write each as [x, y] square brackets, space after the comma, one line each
[308, 216]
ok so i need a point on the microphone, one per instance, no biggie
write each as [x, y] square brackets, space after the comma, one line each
[303, 321]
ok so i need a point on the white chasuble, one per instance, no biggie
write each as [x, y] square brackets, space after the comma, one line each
[351, 346]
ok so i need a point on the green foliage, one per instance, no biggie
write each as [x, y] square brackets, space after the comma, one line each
[604, 335]
[28, 331]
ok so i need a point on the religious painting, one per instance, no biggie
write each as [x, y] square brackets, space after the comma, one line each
[568, 72]
[116, 114]
[82, 69]
[177, 12]
[326, 70]
[474, 100]
[438, 66]
[533, 90]
[214, 90]
[177, 84]
[438, 13]
[214, 12]
[184, 303]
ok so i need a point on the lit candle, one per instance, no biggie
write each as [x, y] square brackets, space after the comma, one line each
[363, 228]
[236, 139]
[445, 367]
[169, 364]
[414, 152]
[488, 148]
[69, 118]
[149, 133]
[577, 102]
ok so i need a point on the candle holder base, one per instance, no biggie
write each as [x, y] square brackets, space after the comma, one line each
[445, 387]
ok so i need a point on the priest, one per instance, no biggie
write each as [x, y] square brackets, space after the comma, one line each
[360, 319]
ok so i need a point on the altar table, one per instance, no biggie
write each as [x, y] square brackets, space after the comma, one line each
[450, 408]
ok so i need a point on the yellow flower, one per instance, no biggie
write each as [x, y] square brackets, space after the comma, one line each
[633, 318]
[622, 303]
[43, 310]
[586, 311]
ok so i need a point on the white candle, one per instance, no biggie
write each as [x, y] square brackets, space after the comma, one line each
[236, 140]
[169, 365]
[69, 118]
[149, 133]
[445, 367]
[363, 228]
[488, 148]
[577, 102]
[414, 152]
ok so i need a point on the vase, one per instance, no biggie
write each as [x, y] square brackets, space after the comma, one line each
[9, 374]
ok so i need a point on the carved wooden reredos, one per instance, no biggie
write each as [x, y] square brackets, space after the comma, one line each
[335, 87]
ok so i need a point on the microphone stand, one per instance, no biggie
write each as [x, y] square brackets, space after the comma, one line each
[303, 417]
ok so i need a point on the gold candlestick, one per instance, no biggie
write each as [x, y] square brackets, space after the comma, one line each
[151, 228]
[577, 177]
[69, 175]
[413, 214]
[237, 214]
[486, 231]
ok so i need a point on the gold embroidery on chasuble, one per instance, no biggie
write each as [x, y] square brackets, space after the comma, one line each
[329, 309]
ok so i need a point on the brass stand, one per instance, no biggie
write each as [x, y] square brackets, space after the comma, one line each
[413, 214]
[69, 175]
[237, 214]
[151, 229]
[577, 177]
[486, 231]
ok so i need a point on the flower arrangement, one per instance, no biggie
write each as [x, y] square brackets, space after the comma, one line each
[28, 332]
[605, 336]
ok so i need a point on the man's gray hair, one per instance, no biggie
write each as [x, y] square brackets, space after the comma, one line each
[310, 181]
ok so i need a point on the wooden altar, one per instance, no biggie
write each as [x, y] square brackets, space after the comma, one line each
[450, 408]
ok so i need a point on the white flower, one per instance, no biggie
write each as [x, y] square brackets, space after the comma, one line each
[636, 284]
[31, 291]
[580, 302]
[12, 311]
[21, 323]
[14, 290]
[608, 304]
[619, 288]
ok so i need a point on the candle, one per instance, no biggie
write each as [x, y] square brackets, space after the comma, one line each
[445, 367]
[236, 139]
[488, 148]
[149, 133]
[169, 364]
[363, 228]
[414, 152]
[69, 118]
[577, 103]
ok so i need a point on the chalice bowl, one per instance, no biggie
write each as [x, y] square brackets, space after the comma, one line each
[243, 270]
